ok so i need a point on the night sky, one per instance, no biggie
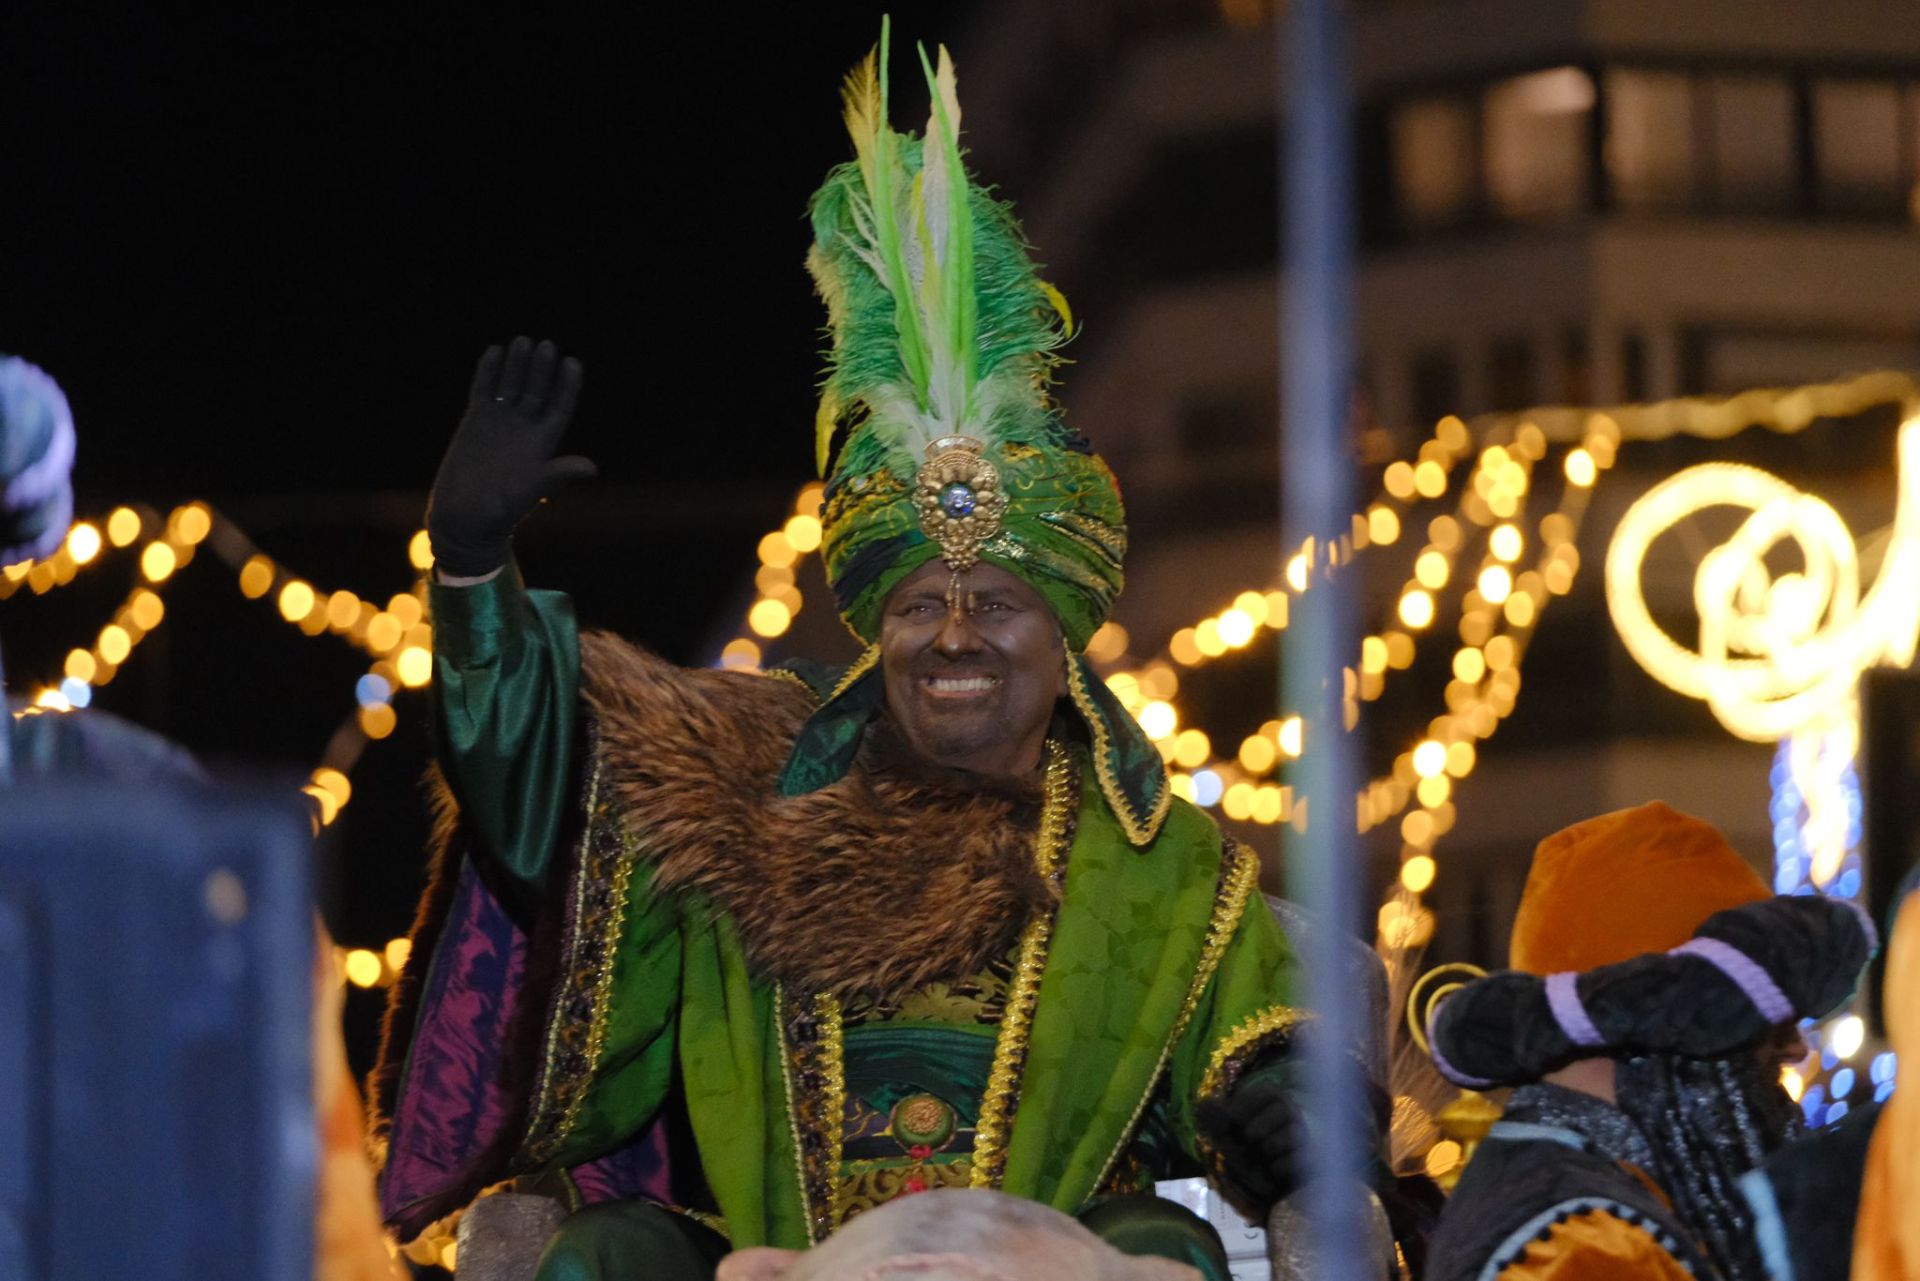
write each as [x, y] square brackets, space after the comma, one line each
[262, 251]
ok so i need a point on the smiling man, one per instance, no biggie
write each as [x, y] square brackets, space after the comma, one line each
[724, 959]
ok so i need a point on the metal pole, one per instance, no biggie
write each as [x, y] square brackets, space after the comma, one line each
[1316, 458]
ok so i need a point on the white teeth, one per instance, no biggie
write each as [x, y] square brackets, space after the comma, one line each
[961, 685]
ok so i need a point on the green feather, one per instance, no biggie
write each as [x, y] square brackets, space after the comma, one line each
[939, 322]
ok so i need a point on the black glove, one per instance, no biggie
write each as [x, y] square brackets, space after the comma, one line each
[1261, 1140]
[500, 463]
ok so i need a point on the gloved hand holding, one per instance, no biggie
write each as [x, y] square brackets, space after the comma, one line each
[500, 463]
[1261, 1140]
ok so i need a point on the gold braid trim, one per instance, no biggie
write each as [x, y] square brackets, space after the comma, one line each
[813, 1064]
[1237, 1048]
[794, 678]
[861, 666]
[577, 1032]
[1239, 874]
[1002, 1098]
[1139, 829]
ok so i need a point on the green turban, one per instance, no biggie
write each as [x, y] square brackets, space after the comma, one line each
[937, 432]
[943, 332]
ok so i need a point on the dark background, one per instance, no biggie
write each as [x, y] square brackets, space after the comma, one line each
[261, 252]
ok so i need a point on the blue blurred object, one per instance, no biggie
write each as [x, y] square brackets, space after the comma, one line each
[156, 1115]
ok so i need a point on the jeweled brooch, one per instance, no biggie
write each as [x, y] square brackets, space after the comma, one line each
[957, 492]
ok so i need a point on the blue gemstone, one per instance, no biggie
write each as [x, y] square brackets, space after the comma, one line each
[957, 500]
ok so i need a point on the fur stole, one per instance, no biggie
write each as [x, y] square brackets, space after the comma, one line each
[898, 875]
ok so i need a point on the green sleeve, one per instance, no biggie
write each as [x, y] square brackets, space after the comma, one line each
[1249, 1010]
[506, 675]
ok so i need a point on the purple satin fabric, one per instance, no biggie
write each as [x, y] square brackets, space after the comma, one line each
[450, 1105]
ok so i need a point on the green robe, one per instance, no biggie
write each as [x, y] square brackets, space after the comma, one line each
[1161, 962]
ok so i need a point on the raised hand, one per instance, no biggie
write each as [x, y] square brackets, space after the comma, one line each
[500, 463]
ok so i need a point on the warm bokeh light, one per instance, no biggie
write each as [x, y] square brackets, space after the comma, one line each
[1469, 664]
[256, 577]
[1383, 524]
[1184, 648]
[1416, 874]
[343, 607]
[1429, 758]
[1430, 479]
[377, 720]
[1236, 628]
[1460, 759]
[1506, 542]
[1416, 609]
[158, 561]
[81, 665]
[803, 533]
[383, 632]
[123, 526]
[420, 551]
[1495, 584]
[1108, 643]
[1292, 737]
[740, 655]
[83, 543]
[114, 645]
[777, 551]
[296, 601]
[190, 524]
[1430, 569]
[414, 666]
[363, 967]
[1159, 720]
[1580, 468]
[1258, 753]
[1191, 748]
[146, 609]
[769, 618]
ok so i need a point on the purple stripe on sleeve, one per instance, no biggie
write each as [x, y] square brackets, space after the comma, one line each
[1563, 996]
[1447, 1069]
[1748, 973]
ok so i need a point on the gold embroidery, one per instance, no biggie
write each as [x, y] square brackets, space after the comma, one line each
[813, 1062]
[861, 666]
[1139, 830]
[870, 1184]
[1237, 1048]
[1002, 1097]
[783, 674]
[1239, 874]
[577, 1031]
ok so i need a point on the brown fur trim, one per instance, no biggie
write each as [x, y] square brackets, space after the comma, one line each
[896, 876]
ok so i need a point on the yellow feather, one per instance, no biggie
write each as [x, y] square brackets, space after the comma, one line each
[949, 90]
[1059, 301]
[861, 96]
[825, 418]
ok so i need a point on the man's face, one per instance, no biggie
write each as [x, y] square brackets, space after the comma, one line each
[973, 684]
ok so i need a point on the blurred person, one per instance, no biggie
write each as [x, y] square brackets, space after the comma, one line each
[1838, 1202]
[1654, 995]
[725, 959]
[36, 509]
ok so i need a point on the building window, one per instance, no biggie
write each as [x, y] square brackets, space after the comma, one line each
[1633, 367]
[1859, 160]
[1433, 162]
[1535, 151]
[1574, 385]
[1232, 420]
[1436, 385]
[1650, 140]
[1749, 127]
[1510, 375]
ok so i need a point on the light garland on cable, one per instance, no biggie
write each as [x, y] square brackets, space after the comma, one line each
[398, 637]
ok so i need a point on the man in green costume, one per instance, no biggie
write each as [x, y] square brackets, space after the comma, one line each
[726, 958]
